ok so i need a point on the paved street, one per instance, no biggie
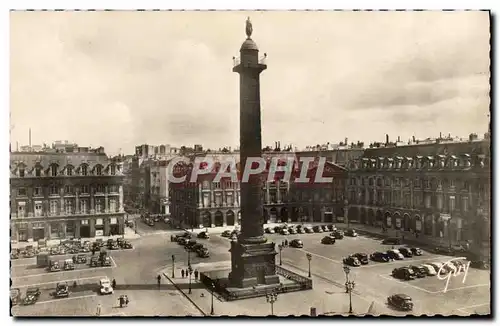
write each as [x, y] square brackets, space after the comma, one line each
[135, 272]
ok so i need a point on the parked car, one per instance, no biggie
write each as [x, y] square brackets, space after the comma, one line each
[292, 230]
[459, 264]
[301, 230]
[203, 235]
[190, 244]
[69, 265]
[328, 240]
[80, 259]
[94, 261]
[54, 266]
[270, 230]
[447, 251]
[105, 286]
[284, 232]
[109, 243]
[400, 302]
[352, 261]
[106, 261]
[331, 227]
[479, 264]
[379, 257]
[32, 295]
[395, 254]
[403, 273]
[62, 290]
[182, 241]
[309, 229]
[15, 296]
[419, 271]
[448, 267]
[429, 270]
[337, 234]
[151, 222]
[362, 257]
[226, 234]
[325, 228]
[318, 229]
[296, 243]
[127, 245]
[29, 254]
[114, 246]
[203, 253]
[350, 233]
[392, 241]
[14, 254]
[416, 251]
[406, 252]
[196, 247]
[436, 266]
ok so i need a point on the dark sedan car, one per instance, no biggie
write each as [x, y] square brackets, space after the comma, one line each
[203, 235]
[318, 229]
[337, 234]
[403, 273]
[416, 251]
[444, 251]
[226, 234]
[401, 302]
[392, 241]
[419, 271]
[292, 230]
[362, 257]
[296, 243]
[406, 252]
[328, 240]
[352, 261]
[379, 257]
[351, 233]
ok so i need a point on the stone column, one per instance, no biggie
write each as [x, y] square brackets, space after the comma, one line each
[433, 227]
[77, 228]
[310, 212]
[224, 214]
[224, 199]
[200, 196]
[106, 226]
[278, 192]
[77, 202]
[322, 214]
[62, 225]
[121, 206]
[30, 231]
[61, 207]
[92, 227]
[212, 220]
[92, 201]
[106, 201]
[268, 196]
[289, 215]
[47, 230]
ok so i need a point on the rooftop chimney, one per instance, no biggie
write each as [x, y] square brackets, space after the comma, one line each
[399, 139]
[346, 141]
[386, 139]
[413, 137]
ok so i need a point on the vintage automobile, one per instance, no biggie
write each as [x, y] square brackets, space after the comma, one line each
[350, 233]
[420, 272]
[62, 290]
[203, 253]
[406, 252]
[226, 234]
[190, 244]
[400, 302]
[444, 251]
[331, 227]
[127, 245]
[14, 254]
[114, 246]
[29, 254]
[429, 270]
[284, 232]
[337, 234]
[106, 261]
[362, 257]
[54, 266]
[395, 254]
[392, 241]
[269, 230]
[317, 229]
[352, 261]
[328, 240]
[120, 241]
[325, 228]
[69, 265]
[54, 251]
[196, 247]
[94, 261]
[182, 241]
[109, 242]
[379, 257]
[416, 251]
[32, 295]
[105, 286]
[151, 222]
[436, 266]
[292, 230]
[80, 259]
[308, 229]
[403, 273]
[15, 296]
[203, 235]
[301, 230]
[296, 243]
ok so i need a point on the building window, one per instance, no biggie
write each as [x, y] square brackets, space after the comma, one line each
[112, 205]
[217, 185]
[21, 209]
[69, 190]
[112, 169]
[84, 170]
[98, 221]
[37, 191]
[69, 170]
[21, 172]
[113, 188]
[21, 192]
[53, 170]
[465, 204]
[38, 172]
[84, 206]
[84, 189]
[68, 206]
[85, 222]
[53, 190]
[99, 189]
[38, 209]
[53, 207]
[98, 170]
[98, 206]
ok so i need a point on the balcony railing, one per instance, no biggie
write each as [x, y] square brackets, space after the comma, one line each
[262, 60]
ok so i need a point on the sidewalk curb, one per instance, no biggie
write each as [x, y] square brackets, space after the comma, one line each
[185, 295]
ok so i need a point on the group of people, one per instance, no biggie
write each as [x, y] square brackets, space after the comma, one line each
[185, 273]
[284, 243]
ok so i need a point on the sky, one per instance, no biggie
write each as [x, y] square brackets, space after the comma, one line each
[120, 79]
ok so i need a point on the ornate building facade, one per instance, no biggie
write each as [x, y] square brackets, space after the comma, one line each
[57, 195]
[213, 204]
[440, 190]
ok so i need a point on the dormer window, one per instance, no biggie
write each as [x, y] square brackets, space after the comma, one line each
[38, 172]
[112, 169]
[98, 170]
[84, 170]
[69, 170]
[53, 170]
[21, 172]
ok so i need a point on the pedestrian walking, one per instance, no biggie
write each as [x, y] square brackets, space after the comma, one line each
[159, 281]
[196, 274]
[113, 284]
[98, 312]
[121, 300]
[182, 273]
[93, 251]
[286, 243]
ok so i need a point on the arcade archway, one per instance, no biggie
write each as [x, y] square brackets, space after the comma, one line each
[207, 219]
[219, 218]
[230, 218]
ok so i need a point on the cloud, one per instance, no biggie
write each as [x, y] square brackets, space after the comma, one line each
[125, 78]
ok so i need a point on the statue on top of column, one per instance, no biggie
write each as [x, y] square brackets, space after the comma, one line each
[249, 28]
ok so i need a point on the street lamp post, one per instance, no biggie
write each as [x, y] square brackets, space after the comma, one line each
[190, 271]
[173, 266]
[272, 297]
[280, 247]
[213, 290]
[349, 286]
[309, 257]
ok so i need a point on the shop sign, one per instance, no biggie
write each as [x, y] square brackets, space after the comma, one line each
[99, 233]
[98, 221]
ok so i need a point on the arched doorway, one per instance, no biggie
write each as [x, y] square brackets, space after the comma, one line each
[362, 216]
[295, 214]
[207, 219]
[230, 217]
[284, 214]
[273, 214]
[379, 218]
[428, 224]
[406, 222]
[388, 219]
[371, 217]
[219, 218]
[397, 221]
